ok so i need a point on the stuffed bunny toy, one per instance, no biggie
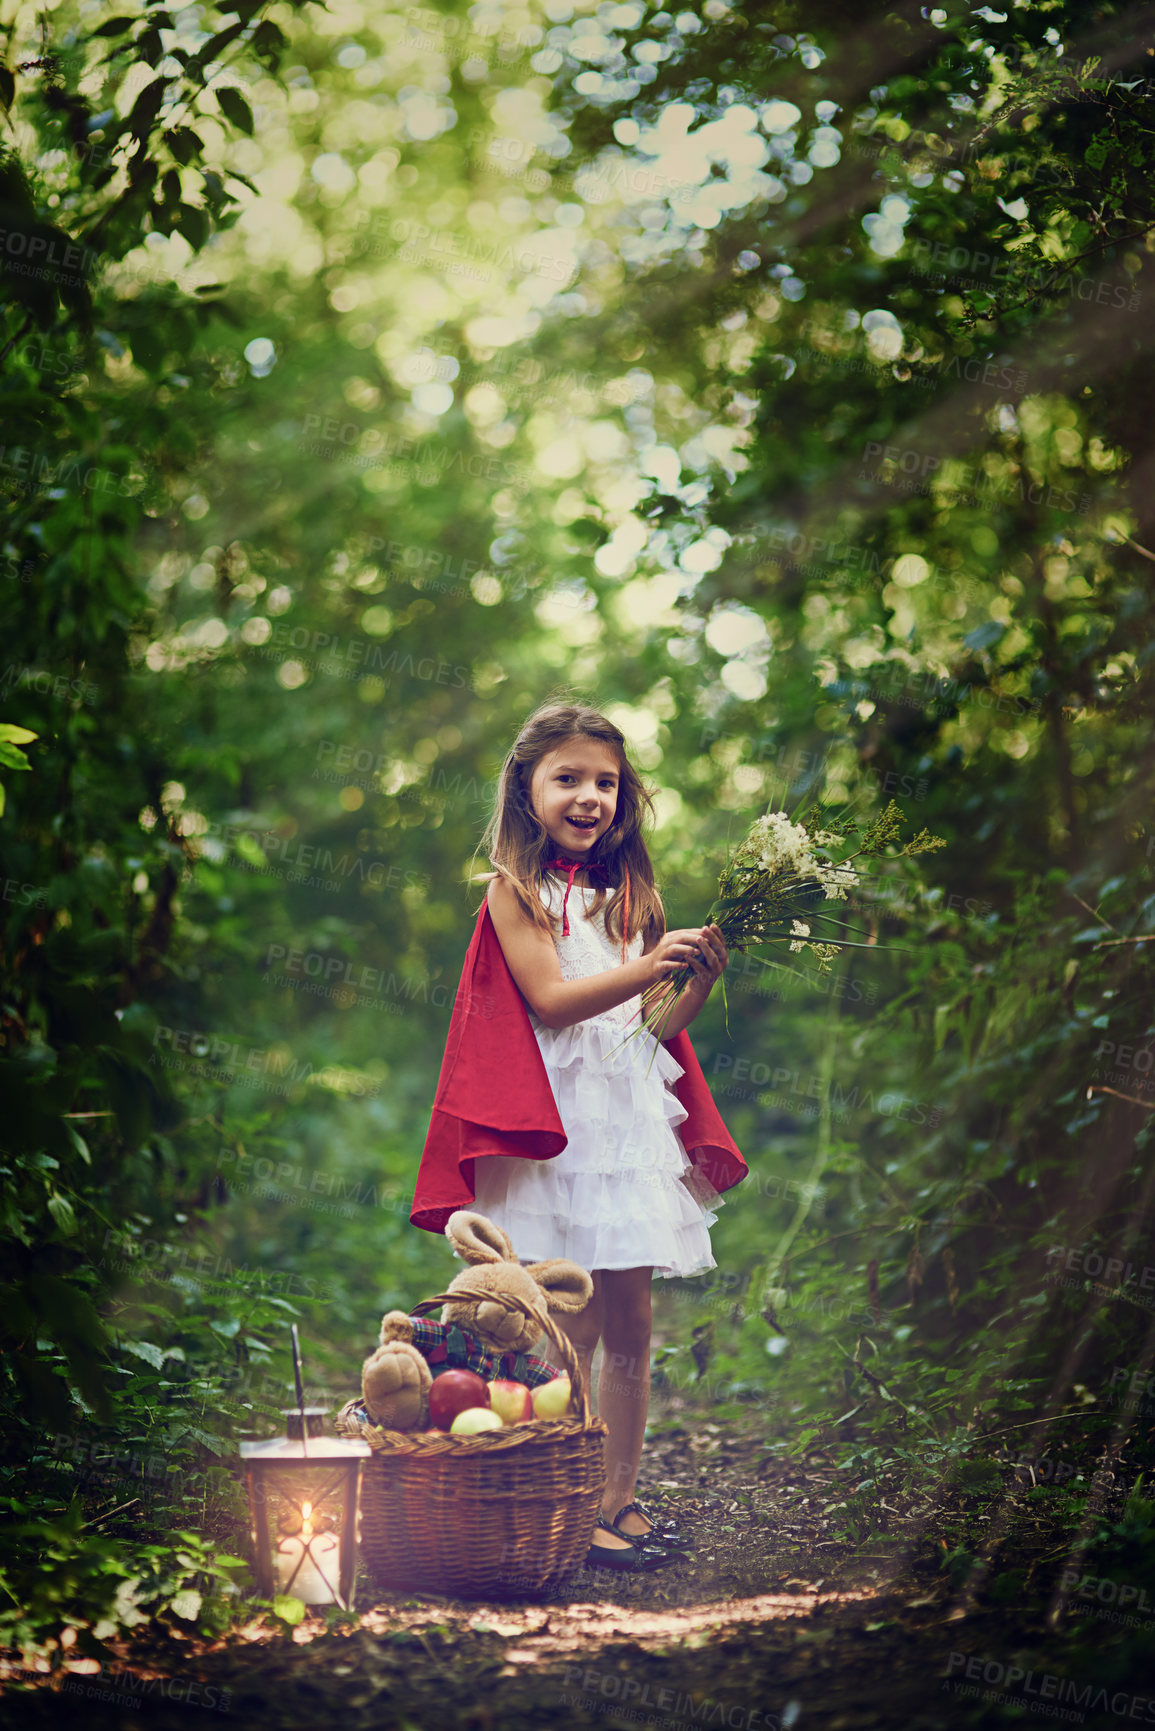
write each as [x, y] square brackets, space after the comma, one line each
[396, 1378]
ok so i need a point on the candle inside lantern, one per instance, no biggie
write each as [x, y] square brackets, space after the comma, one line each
[307, 1566]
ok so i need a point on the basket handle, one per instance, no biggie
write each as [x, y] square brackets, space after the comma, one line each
[579, 1398]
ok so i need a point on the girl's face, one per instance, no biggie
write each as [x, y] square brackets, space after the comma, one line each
[574, 791]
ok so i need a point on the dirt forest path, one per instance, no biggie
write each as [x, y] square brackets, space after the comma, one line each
[775, 1624]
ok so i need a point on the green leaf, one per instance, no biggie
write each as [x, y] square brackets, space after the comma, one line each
[235, 174]
[78, 1142]
[149, 47]
[942, 1018]
[234, 107]
[215, 1444]
[128, 1602]
[13, 759]
[147, 349]
[186, 1604]
[151, 1354]
[145, 110]
[184, 143]
[268, 42]
[216, 45]
[193, 224]
[985, 636]
[62, 1212]
[288, 1609]
[16, 735]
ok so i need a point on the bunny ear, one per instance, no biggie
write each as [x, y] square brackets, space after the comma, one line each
[477, 1239]
[567, 1287]
[395, 1325]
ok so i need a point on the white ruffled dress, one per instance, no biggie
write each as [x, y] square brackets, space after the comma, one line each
[623, 1192]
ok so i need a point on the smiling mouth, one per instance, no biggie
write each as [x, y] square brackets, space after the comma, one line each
[583, 823]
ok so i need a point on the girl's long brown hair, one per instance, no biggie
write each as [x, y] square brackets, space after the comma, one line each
[518, 844]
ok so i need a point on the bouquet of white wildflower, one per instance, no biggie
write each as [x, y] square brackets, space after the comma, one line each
[773, 887]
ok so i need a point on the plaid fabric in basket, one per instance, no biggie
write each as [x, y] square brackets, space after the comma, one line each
[444, 1346]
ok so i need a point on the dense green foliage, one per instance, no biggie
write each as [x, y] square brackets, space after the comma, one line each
[369, 374]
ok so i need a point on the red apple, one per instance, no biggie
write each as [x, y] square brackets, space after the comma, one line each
[511, 1401]
[452, 1392]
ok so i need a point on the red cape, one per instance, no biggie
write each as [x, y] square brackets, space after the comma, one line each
[494, 1097]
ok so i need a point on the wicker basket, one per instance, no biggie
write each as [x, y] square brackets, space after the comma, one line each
[502, 1515]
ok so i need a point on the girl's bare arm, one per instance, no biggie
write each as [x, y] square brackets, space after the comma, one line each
[533, 961]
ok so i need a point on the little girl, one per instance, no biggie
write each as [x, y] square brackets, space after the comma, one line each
[549, 1118]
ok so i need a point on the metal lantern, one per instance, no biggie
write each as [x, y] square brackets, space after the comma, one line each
[304, 1500]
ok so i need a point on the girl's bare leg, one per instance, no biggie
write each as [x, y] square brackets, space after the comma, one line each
[624, 1385]
[584, 1331]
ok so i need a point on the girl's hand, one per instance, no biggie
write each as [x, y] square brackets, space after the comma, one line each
[701, 948]
[672, 951]
[707, 963]
[707, 957]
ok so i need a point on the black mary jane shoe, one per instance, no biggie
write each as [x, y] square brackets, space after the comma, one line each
[662, 1534]
[633, 1560]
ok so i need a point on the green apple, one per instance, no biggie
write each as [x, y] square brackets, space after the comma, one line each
[552, 1399]
[474, 1420]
